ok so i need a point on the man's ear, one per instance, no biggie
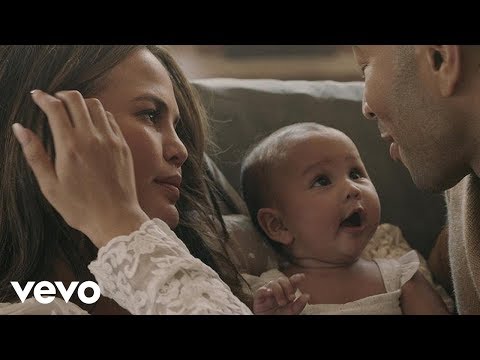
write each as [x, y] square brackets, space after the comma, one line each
[445, 61]
[271, 222]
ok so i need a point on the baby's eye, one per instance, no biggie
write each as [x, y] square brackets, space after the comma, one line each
[356, 174]
[322, 181]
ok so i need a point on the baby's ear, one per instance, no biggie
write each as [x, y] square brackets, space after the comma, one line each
[271, 222]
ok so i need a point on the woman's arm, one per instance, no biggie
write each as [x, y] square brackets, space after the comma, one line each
[420, 298]
[152, 272]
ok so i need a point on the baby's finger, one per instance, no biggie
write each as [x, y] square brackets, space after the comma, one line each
[278, 293]
[37, 158]
[299, 304]
[262, 294]
[296, 279]
[288, 289]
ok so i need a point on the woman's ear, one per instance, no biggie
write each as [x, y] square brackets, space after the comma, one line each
[272, 224]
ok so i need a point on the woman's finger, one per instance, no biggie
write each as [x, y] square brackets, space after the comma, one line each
[97, 114]
[76, 108]
[37, 158]
[57, 116]
[114, 125]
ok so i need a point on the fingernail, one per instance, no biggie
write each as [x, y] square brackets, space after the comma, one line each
[21, 134]
[33, 91]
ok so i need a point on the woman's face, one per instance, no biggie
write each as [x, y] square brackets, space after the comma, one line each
[139, 94]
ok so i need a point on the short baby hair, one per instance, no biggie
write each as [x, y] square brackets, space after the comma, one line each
[262, 163]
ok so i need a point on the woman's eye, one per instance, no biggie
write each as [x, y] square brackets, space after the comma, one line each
[355, 174]
[151, 115]
[322, 181]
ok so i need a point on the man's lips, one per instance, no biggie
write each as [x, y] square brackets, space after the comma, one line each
[394, 150]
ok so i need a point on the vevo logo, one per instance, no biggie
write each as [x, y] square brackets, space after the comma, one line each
[47, 288]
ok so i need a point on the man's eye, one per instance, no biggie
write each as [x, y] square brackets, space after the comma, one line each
[362, 70]
[322, 181]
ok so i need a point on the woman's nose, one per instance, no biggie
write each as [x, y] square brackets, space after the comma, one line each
[175, 151]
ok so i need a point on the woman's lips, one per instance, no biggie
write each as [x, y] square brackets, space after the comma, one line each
[172, 191]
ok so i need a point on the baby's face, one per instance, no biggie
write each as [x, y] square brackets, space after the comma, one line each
[326, 198]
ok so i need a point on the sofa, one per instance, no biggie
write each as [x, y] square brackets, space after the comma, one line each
[242, 111]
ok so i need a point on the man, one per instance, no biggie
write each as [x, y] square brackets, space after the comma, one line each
[426, 100]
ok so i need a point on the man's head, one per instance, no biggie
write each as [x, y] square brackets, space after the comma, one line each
[307, 189]
[423, 100]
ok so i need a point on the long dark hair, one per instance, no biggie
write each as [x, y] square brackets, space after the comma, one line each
[32, 234]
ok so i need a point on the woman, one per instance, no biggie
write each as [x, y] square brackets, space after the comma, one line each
[132, 105]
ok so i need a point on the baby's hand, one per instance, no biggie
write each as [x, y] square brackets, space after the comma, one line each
[278, 297]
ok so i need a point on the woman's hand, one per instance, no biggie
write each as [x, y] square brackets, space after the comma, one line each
[91, 183]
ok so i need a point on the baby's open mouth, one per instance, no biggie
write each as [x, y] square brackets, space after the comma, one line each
[354, 220]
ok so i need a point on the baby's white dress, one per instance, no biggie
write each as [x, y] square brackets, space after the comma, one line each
[395, 273]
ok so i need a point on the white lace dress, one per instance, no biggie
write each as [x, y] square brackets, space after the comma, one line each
[149, 271]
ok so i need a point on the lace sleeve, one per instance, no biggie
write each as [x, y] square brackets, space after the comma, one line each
[151, 271]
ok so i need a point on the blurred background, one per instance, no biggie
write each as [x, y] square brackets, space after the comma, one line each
[284, 62]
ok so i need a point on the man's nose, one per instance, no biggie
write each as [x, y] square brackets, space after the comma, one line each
[367, 112]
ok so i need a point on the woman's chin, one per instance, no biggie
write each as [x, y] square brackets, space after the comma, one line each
[171, 219]
[169, 215]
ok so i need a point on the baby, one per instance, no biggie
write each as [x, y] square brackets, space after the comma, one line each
[308, 191]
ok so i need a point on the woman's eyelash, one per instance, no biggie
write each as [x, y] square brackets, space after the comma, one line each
[152, 115]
